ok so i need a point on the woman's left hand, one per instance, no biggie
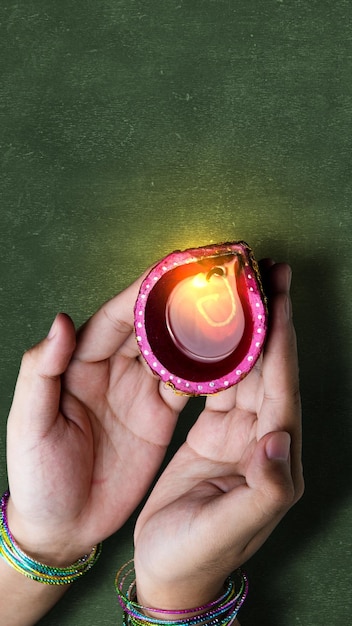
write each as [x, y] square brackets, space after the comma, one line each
[88, 429]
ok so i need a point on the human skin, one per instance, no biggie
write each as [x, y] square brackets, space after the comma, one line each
[80, 427]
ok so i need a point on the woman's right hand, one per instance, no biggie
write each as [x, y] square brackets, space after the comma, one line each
[232, 481]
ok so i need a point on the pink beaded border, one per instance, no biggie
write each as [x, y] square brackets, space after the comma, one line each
[257, 305]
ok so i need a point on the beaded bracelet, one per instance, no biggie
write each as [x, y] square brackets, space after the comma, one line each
[46, 574]
[220, 612]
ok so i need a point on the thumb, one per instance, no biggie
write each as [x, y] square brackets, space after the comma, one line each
[258, 506]
[268, 493]
[269, 474]
[37, 395]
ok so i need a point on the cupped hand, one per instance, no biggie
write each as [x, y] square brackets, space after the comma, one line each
[87, 431]
[234, 478]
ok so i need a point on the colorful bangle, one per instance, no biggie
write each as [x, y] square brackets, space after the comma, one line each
[220, 612]
[46, 574]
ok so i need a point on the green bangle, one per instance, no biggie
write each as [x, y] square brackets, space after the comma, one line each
[46, 574]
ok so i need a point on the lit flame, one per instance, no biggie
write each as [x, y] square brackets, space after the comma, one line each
[201, 281]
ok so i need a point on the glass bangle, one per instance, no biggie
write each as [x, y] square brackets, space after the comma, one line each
[219, 612]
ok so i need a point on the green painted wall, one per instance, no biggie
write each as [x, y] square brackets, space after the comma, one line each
[129, 128]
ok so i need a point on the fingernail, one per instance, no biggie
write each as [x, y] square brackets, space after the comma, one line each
[53, 329]
[278, 447]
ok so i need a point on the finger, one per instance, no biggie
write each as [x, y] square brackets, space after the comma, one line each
[222, 402]
[37, 394]
[274, 487]
[280, 362]
[176, 401]
[281, 406]
[276, 280]
[265, 265]
[276, 277]
[256, 507]
[110, 327]
[130, 349]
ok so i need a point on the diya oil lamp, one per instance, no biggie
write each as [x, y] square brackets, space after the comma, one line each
[201, 317]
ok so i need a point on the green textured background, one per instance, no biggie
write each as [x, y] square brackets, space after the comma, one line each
[129, 128]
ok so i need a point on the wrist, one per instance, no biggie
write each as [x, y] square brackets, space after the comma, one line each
[49, 548]
[192, 601]
[174, 590]
[32, 568]
[40, 545]
[174, 606]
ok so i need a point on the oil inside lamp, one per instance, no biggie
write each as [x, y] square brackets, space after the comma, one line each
[204, 314]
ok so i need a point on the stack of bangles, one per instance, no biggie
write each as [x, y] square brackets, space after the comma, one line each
[46, 574]
[221, 612]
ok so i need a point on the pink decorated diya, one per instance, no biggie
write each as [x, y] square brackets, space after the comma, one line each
[201, 317]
